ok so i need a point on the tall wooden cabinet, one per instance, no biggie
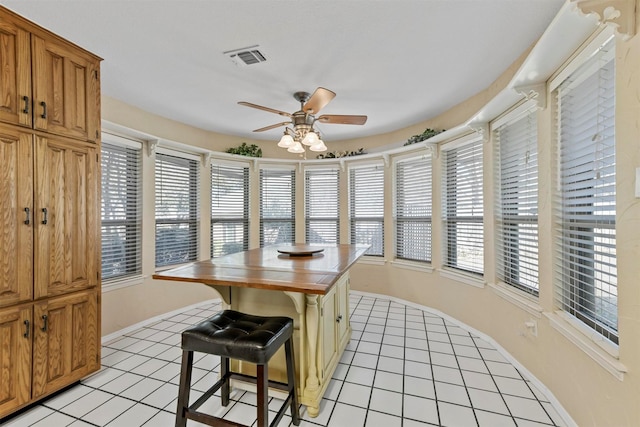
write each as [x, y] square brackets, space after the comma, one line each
[49, 213]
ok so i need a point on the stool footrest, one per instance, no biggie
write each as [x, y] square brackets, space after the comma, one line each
[210, 419]
[253, 380]
[208, 393]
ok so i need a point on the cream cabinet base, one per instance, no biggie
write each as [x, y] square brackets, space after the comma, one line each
[321, 333]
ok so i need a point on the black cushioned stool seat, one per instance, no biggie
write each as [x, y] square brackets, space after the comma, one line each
[235, 335]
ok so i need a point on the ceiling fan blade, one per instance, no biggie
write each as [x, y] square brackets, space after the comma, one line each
[342, 119]
[277, 125]
[318, 100]
[260, 107]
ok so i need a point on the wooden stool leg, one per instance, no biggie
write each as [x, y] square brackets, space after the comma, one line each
[224, 373]
[184, 389]
[291, 376]
[263, 395]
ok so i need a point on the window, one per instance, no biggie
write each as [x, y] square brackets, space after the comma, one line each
[517, 204]
[322, 201]
[277, 206]
[413, 209]
[462, 207]
[176, 209]
[229, 209]
[366, 207]
[121, 163]
[586, 259]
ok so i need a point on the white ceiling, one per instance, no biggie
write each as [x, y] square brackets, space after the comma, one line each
[397, 61]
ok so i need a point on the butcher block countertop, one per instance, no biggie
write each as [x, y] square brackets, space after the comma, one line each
[267, 268]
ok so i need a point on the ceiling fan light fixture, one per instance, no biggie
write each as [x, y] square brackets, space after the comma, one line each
[296, 148]
[311, 138]
[319, 146]
[286, 141]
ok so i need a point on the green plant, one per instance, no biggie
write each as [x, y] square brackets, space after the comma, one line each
[246, 150]
[428, 133]
[338, 154]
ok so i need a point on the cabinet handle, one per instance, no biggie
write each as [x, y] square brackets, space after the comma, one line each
[27, 211]
[45, 213]
[26, 329]
[45, 322]
[44, 110]
[339, 318]
[26, 104]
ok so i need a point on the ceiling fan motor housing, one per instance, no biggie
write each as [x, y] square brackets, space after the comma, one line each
[300, 118]
[302, 123]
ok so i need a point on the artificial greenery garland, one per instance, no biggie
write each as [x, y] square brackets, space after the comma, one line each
[428, 133]
[246, 150]
[338, 154]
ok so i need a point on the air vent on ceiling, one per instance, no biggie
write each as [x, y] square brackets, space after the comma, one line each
[246, 56]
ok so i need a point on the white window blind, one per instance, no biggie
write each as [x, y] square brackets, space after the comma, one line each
[322, 200]
[366, 207]
[177, 201]
[462, 208]
[229, 209]
[517, 204]
[121, 210]
[277, 206]
[586, 256]
[413, 209]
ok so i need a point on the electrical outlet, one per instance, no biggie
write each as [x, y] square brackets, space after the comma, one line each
[532, 327]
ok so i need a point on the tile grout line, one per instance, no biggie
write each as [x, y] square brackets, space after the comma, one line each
[375, 306]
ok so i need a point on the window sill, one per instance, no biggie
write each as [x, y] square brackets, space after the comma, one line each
[595, 346]
[415, 266]
[372, 260]
[515, 297]
[467, 279]
[115, 284]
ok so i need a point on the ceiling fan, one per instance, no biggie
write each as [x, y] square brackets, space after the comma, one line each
[302, 121]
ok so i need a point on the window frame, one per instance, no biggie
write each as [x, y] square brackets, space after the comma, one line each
[324, 216]
[289, 219]
[132, 150]
[355, 219]
[450, 199]
[192, 221]
[513, 211]
[581, 267]
[229, 217]
[399, 218]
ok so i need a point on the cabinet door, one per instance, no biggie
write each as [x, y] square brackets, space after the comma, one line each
[16, 221]
[15, 79]
[65, 90]
[328, 346]
[343, 308]
[66, 205]
[15, 358]
[65, 341]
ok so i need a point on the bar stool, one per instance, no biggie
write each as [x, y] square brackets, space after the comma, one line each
[235, 335]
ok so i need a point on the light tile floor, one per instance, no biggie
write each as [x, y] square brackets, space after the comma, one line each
[403, 367]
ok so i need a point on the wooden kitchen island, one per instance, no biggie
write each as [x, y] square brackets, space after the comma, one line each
[312, 289]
